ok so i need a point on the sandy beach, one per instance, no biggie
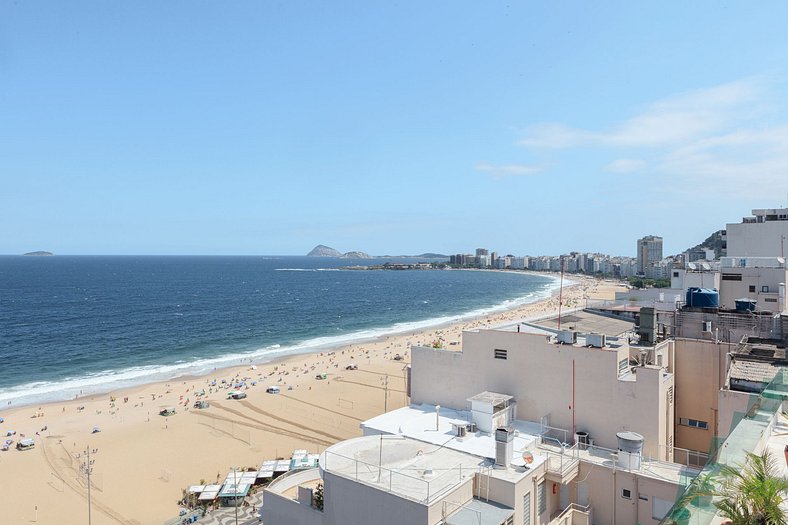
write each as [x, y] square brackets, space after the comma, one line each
[144, 460]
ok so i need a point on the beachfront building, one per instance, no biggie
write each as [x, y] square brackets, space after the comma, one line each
[496, 444]
[649, 251]
[763, 234]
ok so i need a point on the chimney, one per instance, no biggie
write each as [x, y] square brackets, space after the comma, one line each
[504, 442]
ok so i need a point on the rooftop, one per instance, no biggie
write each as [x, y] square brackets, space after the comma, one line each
[587, 322]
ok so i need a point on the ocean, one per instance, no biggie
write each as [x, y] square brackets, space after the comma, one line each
[91, 324]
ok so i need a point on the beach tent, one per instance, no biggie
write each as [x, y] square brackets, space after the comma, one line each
[351, 366]
[167, 411]
[236, 395]
[272, 390]
[321, 375]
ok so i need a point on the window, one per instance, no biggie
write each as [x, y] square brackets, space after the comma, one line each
[542, 498]
[527, 509]
[731, 277]
[675, 274]
[694, 423]
[770, 300]
[752, 288]
[499, 353]
[626, 493]
[764, 289]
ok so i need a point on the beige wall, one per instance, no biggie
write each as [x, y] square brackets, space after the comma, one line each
[700, 374]
[605, 487]
[539, 375]
[732, 408]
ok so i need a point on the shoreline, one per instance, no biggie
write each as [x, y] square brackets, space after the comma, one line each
[154, 457]
[109, 381]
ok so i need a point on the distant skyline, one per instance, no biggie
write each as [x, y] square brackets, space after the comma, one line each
[268, 128]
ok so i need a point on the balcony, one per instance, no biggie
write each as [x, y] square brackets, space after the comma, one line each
[563, 463]
[574, 514]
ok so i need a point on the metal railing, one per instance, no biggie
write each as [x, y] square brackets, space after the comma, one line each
[396, 482]
[569, 514]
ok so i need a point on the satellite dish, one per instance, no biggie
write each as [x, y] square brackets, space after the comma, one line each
[528, 457]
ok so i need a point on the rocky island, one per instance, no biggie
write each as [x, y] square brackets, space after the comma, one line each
[322, 250]
[39, 254]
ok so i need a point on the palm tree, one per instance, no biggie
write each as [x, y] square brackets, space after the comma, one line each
[752, 493]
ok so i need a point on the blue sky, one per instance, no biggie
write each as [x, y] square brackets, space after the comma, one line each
[268, 127]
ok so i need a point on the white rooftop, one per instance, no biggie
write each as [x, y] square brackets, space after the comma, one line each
[418, 422]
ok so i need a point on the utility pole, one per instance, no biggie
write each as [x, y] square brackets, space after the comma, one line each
[385, 409]
[86, 468]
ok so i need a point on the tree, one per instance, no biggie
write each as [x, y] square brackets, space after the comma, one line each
[317, 498]
[752, 493]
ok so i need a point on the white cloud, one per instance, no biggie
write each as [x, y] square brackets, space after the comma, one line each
[726, 141]
[625, 165]
[668, 121]
[503, 171]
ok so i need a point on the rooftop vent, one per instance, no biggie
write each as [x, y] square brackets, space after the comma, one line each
[504, 438]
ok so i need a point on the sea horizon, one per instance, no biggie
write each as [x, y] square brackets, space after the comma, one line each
[421, 299]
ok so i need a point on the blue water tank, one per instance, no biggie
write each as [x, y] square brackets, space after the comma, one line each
[703, 298]
[746, 305]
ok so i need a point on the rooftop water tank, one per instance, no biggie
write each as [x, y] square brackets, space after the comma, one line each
[703, 298]
[745, 305]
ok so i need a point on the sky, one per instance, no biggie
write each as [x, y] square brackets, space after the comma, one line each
[262, 127]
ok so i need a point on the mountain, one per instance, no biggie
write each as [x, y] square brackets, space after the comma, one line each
[713, 242]
[324, 251]
[356, 255]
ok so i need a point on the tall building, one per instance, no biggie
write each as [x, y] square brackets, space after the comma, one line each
[481, 252]
[649, 250]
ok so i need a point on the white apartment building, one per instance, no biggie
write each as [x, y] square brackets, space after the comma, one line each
[761, 279]
[764, 234]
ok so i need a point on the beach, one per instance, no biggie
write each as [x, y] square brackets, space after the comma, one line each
[142, 461]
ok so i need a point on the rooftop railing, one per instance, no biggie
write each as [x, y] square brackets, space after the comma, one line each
[397, 481]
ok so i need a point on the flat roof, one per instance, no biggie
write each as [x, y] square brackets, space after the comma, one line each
[403, 466]
[418, 422]
[478, 512]
[589, 323]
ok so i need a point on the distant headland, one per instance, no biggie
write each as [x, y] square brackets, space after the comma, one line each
[39, 254]
[322, 250]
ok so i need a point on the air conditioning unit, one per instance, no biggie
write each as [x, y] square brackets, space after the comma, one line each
[596, 340]
[707, 326]
[567, 337]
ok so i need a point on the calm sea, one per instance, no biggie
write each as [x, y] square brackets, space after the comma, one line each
[92, 324]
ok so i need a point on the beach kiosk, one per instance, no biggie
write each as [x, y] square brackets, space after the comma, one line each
[233, 494]
[25, 444]
[236, 395]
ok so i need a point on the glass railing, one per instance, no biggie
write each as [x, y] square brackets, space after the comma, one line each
[694, 505]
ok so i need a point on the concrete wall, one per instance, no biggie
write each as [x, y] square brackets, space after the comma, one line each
[757, 277]
[700, 374]
[285, 511]
[757, 239]
[348, 502]
[605, 495]
[539, 375]
[732, 408]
